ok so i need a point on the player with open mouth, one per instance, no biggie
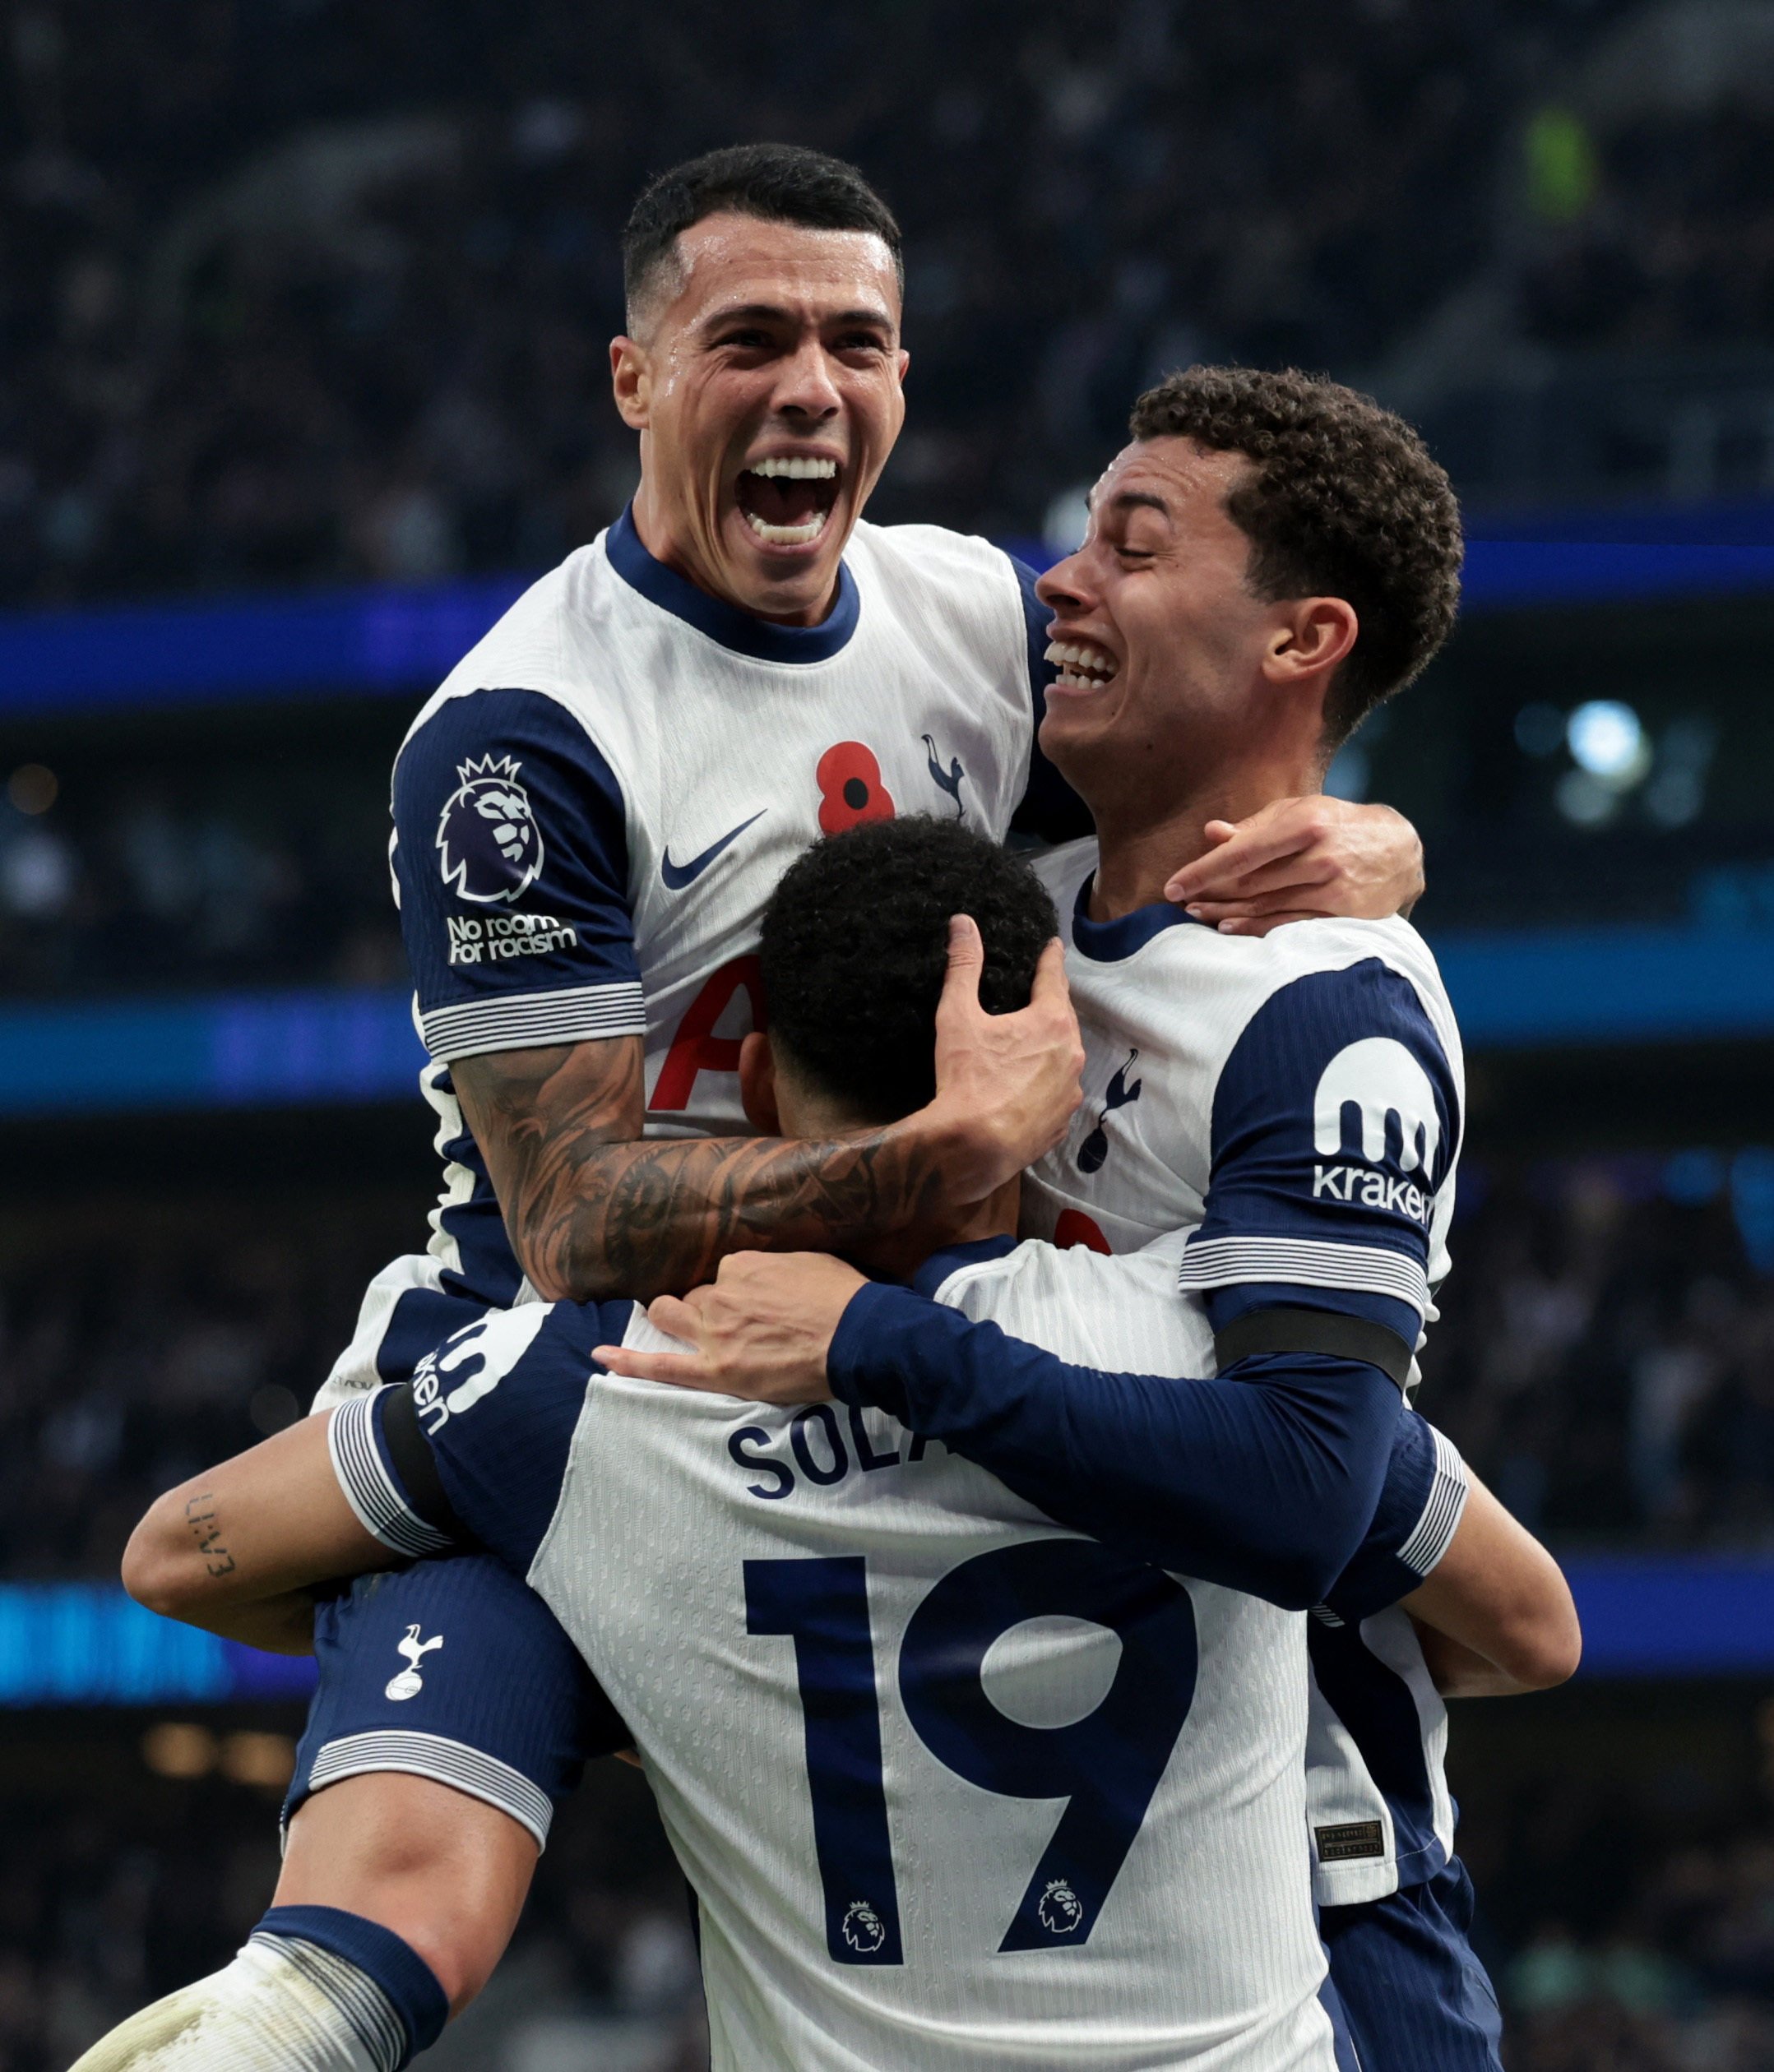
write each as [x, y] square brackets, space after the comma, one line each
[787, 498]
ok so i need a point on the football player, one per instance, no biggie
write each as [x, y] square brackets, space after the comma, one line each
[589, 816]
[859, 1671]
[1269, 558]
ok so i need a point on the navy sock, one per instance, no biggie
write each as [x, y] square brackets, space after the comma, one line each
[406, 1982]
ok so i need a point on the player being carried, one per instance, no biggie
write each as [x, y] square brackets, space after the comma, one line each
[1269, 558]
[590, 815]
[859, 1669]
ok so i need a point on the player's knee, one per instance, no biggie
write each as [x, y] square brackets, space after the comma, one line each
[447, 1873]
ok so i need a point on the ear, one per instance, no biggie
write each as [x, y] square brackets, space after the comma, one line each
[1314, 636]
[757, 1084]
[631, 376]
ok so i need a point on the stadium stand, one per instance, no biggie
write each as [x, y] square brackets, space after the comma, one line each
[321, 384]
[329, 286]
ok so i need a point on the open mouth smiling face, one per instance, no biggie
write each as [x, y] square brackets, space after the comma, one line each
[787, 500]
[1084, 665]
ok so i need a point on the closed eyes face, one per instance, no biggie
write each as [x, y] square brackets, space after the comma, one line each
[1154, 621]
[768, 391]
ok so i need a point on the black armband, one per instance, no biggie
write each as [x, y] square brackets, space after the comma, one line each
[414, 1462]
[1307, 1331]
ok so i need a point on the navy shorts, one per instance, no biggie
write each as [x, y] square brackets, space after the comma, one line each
[1413, 1993]
[455, 1670]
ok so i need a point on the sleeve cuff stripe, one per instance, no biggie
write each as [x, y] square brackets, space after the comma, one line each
[528, 1019]
[1442, 1514]
[1224, 1262]
[361, 2002]
[449, 1762]
[369, 1489]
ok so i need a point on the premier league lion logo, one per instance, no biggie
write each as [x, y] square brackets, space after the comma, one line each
[863, 1928]
[488, 844]
[1060, 1909]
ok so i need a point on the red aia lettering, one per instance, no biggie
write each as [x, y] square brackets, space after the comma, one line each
[1075, 1228]
[696, 1048]
[851, 789]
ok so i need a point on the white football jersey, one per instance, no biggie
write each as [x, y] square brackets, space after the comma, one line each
[1292, 1105]
[956, 1788]
[593, 808]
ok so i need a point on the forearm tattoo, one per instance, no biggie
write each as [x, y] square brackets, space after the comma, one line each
[596, 1211]
[206, 1528]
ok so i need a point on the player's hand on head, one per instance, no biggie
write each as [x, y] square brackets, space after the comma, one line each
[1303, 859]
[1007, 1086]
[760, 1331]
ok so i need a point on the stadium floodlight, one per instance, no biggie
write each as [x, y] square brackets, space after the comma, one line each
[1607, 740]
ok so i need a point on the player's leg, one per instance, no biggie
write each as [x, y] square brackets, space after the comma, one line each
[447, 1873]
[1413, 1993]
[452, 1715]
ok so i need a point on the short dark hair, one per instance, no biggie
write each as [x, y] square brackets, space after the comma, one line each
[1342, 500]
[855, 950]
[776, 182]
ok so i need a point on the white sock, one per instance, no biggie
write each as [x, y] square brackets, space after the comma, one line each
[282, 2005]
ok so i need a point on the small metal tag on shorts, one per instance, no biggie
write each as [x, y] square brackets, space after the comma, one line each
[1353, 1839]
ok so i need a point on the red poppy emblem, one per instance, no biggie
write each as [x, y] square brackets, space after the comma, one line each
[851, 789]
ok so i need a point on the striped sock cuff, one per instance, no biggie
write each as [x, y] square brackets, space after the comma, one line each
[379, 1983]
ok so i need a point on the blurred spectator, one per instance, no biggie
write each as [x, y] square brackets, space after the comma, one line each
[133, 1359]
[297, 292]
[215, 874]
[1678, 1975]
[1607, 1339]
[116, 1886]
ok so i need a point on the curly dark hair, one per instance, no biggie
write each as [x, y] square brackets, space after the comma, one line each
[1341, 500]
[777, 183]
[855, 949]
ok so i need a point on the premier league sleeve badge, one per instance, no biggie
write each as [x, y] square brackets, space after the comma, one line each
[489, 847]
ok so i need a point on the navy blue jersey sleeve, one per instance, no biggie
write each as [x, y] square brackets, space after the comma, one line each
[1265, 1480]
[1050, 810]
[497, 1404]
[1335, 1119]
[510, 867]
[1420, 1507]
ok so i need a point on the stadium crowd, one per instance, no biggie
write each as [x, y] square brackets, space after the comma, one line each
[102, 1908]
[149, 876]
[1677, 1975]
[1603, 1357]
[327, 287]
[1621, 1941]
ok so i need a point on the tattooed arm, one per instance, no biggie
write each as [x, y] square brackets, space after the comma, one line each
[593, 1210]
[234, 1550]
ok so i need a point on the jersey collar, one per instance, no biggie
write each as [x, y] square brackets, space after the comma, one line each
[735, 630]
[1110, 941]
[951, 1258]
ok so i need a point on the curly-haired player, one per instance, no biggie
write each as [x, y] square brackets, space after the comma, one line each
[814, 972]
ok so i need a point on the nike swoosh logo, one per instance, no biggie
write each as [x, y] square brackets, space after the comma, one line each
[677, 876]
